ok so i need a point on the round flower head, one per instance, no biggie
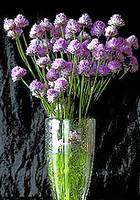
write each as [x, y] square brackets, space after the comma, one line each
[85, 20]
[67, 69]
[21, 21]
[36, 47]
[58, 63]
[84, 36]
[98, 28]
[132, 41]
[52, 94]
[94, 42]
[111, 31]
[61, 84]
[116, 42]
[74, 46]
[14, 33]
[8, 24]
[43, 61]
[18, 73]
[37, 86]
[60, 19]
[60, 45]
[46, 24]
[37, 31]
[114, 65]
[55, 32]
[127, 50]
[72, 26]
[116, 20]
[104, 70]
[52, 74]
[100, 52]
[134, 64]
[84, 67]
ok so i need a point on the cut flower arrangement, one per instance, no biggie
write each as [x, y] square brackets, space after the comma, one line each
[71, 61]
[68, 64]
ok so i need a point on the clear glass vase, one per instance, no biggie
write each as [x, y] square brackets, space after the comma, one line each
[69, 148]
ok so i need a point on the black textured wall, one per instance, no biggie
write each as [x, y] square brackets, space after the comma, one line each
[23, 174]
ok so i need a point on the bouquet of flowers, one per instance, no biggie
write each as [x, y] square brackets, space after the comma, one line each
[71, 61]
[68, 64]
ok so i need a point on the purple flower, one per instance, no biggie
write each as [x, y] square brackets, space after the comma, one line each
[61, 84]
[67, 69]
[134, 64]
[116, 20]
[52, 94]
[84, 67]
[85, 20]
[116, 42]
[60, 45]
[132, 41]
[36, 86]
[114, 65]
[94, 42]
[16, 32]
[104, 70]
[127, 50]
[52, 74]
[100, 52]
[58, 63]
[43, 61]
[98, 28]
[72, 26]
[8, 24]
[111, 31]
[17, 73]
[74, 46]
[46, 24]
[84, 36]
[37, 31]
[60, 19]
[36, 47]
[84, 51]
[55, 32]
[21, 21]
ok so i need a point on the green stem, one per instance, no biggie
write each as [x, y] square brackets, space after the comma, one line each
[21, 52]
[92, 89]
[81, 97]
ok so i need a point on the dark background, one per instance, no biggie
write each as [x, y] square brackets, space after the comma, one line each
[116, 174]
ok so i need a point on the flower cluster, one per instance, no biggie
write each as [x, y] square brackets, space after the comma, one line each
[74, 58]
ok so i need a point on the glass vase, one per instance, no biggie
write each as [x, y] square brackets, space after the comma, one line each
[69, 150]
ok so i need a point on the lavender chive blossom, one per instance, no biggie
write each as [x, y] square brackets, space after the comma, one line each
[21, 21]
[114, 65]
[18, 73]
[85, 20]
[36, 47]
[132, 41]
[98, 28]
[8, 24]
[116, 20]
[61, 84]
[52, 74]
[58, 63]
[60, 19]
[74, 46]
[52, 94]
[37, 86]
[111, 31]
[60, 45]
[46, 24]
[84, 67]
[43, 61]
[37, 31]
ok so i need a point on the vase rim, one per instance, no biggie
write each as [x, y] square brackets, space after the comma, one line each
[76, 118]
